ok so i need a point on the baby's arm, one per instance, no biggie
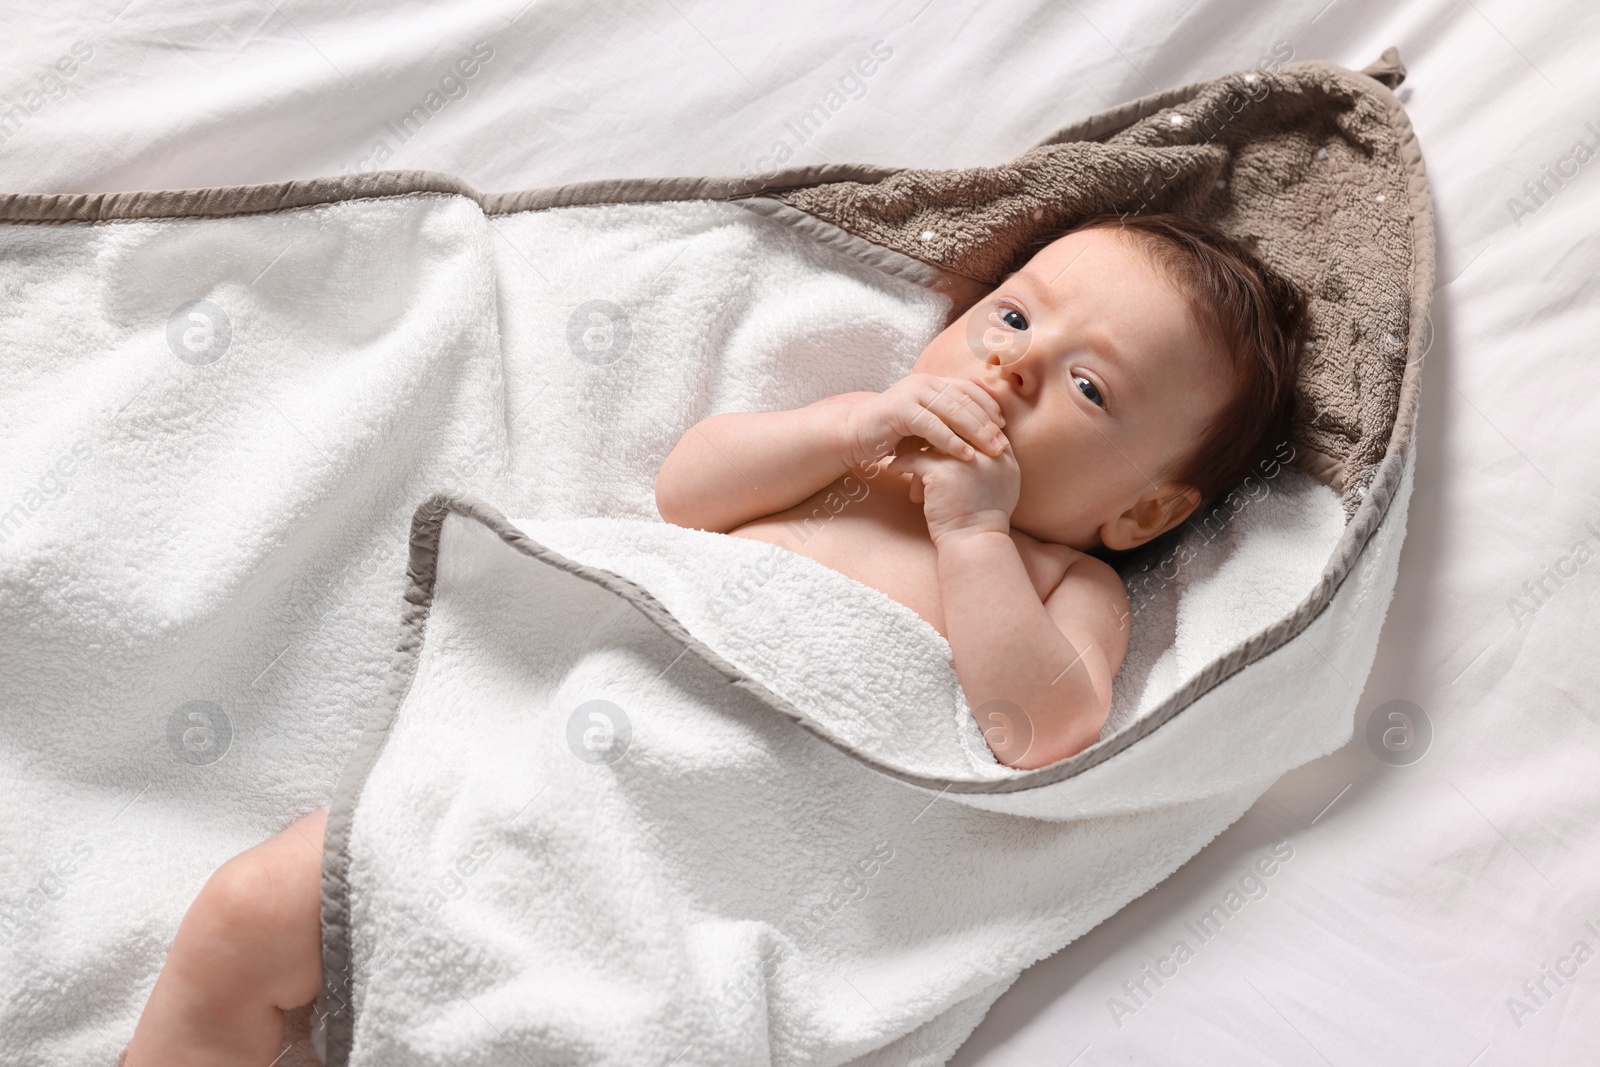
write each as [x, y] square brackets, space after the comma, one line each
[1053, 660]
[730, 469]
[1050, 661]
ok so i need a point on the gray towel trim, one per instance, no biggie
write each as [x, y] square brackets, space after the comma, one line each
[234, 200]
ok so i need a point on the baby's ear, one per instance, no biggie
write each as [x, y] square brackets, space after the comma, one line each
[1158, 509]
[1185, 499]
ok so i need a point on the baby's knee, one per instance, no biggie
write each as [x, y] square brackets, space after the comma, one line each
[254, 929]
[310, 826]
[240, 901]
[262, 892]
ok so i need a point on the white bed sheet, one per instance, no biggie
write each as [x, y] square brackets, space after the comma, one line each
[1418, 899]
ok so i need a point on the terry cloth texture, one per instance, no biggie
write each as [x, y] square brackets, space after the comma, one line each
[1306, 164]
[716, 967]
[223, 407]
[611, 813]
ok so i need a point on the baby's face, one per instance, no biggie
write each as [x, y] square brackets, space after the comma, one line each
[1105, 379]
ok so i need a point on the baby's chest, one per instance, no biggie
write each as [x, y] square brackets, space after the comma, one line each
[892, 560]
[888, 548]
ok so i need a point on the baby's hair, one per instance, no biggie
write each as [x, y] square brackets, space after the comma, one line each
[1255, 314]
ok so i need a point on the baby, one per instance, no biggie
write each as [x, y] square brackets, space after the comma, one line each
[1130, 371]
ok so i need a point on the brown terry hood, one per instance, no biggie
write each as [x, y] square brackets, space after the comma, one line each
[1313, 165]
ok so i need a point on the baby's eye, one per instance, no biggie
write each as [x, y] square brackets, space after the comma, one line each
[1013, 318]
[1087, 388]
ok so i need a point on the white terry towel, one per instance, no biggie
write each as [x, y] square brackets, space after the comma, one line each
[612, 814]
[202, 610]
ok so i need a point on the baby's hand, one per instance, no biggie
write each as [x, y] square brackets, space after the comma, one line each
[962, 496]
[951, 414]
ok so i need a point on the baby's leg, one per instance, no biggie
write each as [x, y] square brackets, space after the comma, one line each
[249, 948]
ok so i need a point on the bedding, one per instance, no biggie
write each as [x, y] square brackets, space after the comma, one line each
[1399, 865]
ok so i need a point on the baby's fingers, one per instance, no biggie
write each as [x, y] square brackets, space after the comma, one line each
[958, 406]
[984, 399]
[911, 465]
[971, 411]
[932, 428]
[907, 461]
